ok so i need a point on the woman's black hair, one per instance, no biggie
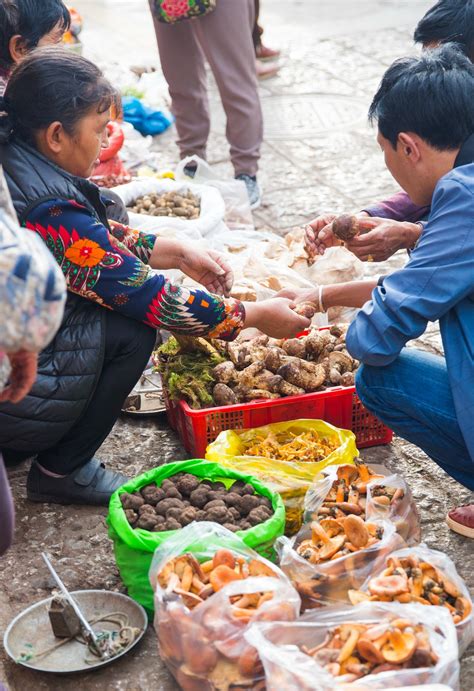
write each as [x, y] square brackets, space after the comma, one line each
[49, 85]
[431, 96]
[30, 19]
[446, 21]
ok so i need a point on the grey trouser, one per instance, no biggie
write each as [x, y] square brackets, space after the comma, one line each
[224, 39]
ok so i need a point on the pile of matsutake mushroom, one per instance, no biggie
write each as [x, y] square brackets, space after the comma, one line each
[351, 651]
[266, 368]
[410, 579]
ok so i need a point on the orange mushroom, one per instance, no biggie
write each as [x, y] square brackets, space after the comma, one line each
[399, 647]
[221, 576]
[356, 531]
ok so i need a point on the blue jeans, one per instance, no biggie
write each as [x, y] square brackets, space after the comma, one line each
[412, 396]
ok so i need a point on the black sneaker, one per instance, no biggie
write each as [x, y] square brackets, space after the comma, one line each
[253, 189]
[91, 484]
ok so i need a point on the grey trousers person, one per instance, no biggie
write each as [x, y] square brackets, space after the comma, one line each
[224, 39]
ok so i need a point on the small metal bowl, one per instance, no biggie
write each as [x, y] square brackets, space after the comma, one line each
[31, 631]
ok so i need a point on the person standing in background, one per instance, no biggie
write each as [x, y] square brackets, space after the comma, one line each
[265, 56]
[223, 38]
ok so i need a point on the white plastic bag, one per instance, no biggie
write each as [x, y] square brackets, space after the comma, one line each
[210, 217]
[204, 647]
[287, 667]
[441, 561]
[328, 582]
[402, 512]
[234, 192]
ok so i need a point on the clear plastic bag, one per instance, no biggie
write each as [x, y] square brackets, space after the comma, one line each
[441, 562]
[234, 192]
[287, 667]
[290, 479]
[204, 647]
[329, 582]
[401, 511]
[210, 217]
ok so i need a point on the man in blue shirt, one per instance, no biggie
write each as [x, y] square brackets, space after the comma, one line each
[425, 113]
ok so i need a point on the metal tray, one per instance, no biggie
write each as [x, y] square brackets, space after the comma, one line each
[31, 630]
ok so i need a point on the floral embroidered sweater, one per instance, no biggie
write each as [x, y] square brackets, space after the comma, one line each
[111, 268]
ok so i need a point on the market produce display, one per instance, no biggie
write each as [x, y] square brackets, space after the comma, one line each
[195, 582]
[306, 447]
[332, 538]
[184, 498]
[209, 588]
[260, 368]
[327, 559]
[352, 651]
[363, 491]
[372, 646]
[348, 493]
[410, 579]
[286, 456]
[187, 370]
[185, 205]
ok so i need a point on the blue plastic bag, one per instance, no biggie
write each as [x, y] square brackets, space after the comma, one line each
[143, 118]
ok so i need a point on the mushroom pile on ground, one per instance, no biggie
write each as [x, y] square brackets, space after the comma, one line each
[409, 579]
[352, 651]
[265, 368]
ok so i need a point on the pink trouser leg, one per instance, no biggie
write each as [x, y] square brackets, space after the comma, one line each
[225, 37]
[183, 65]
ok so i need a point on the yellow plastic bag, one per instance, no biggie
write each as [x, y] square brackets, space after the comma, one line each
[290, 479]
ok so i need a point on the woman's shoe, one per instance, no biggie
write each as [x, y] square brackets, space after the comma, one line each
[461, 520]
[91, 484]
[265, 53]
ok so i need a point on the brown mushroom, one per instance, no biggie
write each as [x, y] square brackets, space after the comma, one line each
[356, 531]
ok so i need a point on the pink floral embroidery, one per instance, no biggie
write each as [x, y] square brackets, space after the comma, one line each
[175, 8]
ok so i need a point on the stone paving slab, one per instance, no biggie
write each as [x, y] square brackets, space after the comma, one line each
[332, 47]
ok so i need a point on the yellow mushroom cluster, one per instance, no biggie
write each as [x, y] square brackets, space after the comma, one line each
[410, 579]
[352, 650]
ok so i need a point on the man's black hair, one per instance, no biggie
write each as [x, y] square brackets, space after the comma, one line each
[30, 19]
[448, 21]
[431, 96]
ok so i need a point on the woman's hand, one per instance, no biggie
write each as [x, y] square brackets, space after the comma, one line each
[209, 269]
[275, 318]
[24, 366]
[206, 267]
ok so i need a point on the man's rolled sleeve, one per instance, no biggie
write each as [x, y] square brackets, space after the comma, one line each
[437, 277]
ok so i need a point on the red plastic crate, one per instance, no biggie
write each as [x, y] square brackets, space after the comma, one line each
[339, 406]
